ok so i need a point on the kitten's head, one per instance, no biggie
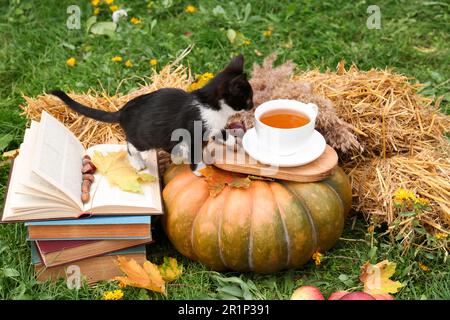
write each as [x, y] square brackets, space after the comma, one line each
[231, 86]
[234, 88]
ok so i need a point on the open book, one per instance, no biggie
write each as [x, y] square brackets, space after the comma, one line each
[45, 181]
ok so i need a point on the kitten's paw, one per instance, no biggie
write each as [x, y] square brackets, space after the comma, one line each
[233, 143]
[230, 142]
[195, 167]
[137, 162]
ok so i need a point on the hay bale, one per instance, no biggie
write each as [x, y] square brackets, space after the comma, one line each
[426, 174]
[402, 139]
[384, 109]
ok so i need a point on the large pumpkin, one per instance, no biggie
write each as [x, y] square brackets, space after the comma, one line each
[267, 227]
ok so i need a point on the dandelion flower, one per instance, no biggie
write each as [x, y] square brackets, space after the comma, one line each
[421, 201]
[135, 20]
[402, 195]
[114, 8]
[268, 32]
[109, 2]
[424, 267]
[153, 62]
[247, 42]
[95, 3]
[113, 295]
[317, 256]
[96, 11]
[128, 64]
[116, 59]
[71, 61]
[190, 9]
[441, 235]
[200, 81]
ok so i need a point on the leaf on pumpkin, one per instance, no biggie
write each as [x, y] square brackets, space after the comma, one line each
[147, 276]
[119, 172]
[217, 179]
[376, 278]
[252, 177]
[170, 270]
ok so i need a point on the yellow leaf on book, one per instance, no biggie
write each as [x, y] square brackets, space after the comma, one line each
[146, 276]
[376, 278]
[119, 172]
[170, 270]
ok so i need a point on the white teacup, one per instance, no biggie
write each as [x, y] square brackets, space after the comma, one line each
[282, 141]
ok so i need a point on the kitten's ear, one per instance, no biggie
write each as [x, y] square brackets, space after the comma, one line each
[236, 65]
[236, 84]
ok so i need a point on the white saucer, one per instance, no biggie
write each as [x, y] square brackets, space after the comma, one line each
[311, 149]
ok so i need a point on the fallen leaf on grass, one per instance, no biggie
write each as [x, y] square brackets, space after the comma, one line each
[425, 49]
[170, 270]
[217, 179]
[147, 276]
[119, 172]
[11, 154]
[376, 278]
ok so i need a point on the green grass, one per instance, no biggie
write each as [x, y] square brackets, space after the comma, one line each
[36, 43]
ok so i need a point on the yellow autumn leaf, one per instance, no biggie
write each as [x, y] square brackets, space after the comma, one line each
[170, 270]
[11, 154]
[119, 172]
[376, 278]
[146, 276]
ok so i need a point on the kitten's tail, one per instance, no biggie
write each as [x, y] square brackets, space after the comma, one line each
[96, 114]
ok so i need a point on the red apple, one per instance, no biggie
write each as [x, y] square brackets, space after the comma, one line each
[307, 293]
[383, 296]
[337, 295]
[357, 296]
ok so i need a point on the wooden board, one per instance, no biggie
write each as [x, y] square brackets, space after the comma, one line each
[317, 170]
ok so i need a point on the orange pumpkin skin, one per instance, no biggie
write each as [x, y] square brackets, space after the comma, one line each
[268, 227]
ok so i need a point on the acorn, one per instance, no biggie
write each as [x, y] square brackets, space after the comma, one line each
[88, 176]
[85, 186]
[88, 168]
[85, 196]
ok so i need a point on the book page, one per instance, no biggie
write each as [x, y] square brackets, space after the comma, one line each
[8, 213]
[107, 196]
[58, 157]
[25, 203]
[30, 182]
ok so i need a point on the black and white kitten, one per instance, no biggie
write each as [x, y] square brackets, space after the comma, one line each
[149, 120]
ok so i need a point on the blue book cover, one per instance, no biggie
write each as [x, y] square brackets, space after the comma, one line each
[93, 221]
[111, 220]
[36, 258]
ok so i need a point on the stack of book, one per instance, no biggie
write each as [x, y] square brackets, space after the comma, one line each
[44, 191]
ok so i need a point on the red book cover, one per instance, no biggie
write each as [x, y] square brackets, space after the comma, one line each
[48, 246]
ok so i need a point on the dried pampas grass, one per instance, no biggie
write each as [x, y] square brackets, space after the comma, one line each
[271, 82]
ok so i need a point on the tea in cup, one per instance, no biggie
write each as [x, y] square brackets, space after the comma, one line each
[283, 125]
